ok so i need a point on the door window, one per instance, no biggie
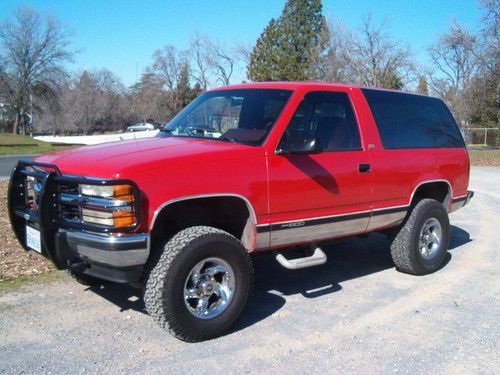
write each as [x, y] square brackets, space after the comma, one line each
[326, 117]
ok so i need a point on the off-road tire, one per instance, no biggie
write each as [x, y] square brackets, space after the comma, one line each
[86, 280]
[164, 294]
[405, 246]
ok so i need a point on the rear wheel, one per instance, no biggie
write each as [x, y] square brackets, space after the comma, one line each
[420, 245]
[200, 284]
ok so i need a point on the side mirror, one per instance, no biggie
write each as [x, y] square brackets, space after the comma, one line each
[306, 146]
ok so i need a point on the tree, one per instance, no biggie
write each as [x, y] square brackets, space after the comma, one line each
[288, 46]
[222, 62]
[183, 93]
[483, 95]
[453, 60]
[199, 58]
[376, 60]
[146, 99]
[263, 61]
[333, 65]
[89, 103]
[210, 62]
[455, 63]
[167, 65]
[422, 87]
[35, 49]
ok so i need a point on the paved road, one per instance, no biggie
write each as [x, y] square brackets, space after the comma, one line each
[8, 162]
[356, 314]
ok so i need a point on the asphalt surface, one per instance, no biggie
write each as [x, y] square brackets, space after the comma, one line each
[355, 314]
[8, 162]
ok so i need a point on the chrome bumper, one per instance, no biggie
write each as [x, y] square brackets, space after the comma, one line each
[120, 259]
[125, 251]
[460, 202]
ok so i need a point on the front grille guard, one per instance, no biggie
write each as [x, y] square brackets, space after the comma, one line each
[47, 217]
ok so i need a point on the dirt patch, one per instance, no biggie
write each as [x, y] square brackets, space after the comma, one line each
[486, 158]
[14, 261]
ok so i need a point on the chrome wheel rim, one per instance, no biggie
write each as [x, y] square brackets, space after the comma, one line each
[209, 288]
[430, 238]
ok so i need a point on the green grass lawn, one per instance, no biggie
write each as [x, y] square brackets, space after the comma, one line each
[11, 144]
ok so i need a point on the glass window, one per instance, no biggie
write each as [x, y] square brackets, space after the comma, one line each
[242, 116]
[327, 117]
[412, 121]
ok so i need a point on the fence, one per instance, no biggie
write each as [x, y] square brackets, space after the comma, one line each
[482, 136]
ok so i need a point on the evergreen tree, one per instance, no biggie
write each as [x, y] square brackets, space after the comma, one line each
[288, 46]
[391, 80]
[183, 91]
[422, 87]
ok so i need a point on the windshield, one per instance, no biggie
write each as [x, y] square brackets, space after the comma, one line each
[242, 116]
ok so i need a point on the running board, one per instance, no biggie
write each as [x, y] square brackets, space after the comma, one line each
[318, 258]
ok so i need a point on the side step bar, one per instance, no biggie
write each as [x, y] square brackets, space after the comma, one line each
[316, 259]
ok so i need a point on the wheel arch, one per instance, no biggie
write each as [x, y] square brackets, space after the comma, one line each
[438, 189]
[196, 202]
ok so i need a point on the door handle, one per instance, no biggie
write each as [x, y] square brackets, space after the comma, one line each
[364, 168]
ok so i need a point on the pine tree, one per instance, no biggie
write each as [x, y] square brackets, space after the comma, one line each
[422, 87]
[391, 80]
[183, 91]
[288, 46]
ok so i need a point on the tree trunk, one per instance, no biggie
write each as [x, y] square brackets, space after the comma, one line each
[16, 124]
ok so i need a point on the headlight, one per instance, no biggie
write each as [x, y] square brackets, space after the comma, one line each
[109, 205]
[106, 191]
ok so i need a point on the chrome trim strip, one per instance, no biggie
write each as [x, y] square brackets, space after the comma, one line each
[81, 200]
[450, 189]
[251, 211]
[262, 240]
[386, 220]
[325, 227]
[318, 232]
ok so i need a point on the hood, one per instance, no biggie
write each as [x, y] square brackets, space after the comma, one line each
[117, 159]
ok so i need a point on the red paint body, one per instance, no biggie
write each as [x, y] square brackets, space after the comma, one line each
[278, 187]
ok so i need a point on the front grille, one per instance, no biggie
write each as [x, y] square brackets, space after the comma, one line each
[67, 208]
[41, 195]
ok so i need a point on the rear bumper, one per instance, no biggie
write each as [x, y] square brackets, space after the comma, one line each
[461, 201]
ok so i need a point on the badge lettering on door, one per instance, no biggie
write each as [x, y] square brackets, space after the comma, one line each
[293, 225]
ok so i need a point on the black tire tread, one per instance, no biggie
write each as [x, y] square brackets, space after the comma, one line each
[403, 255]
[156, 305]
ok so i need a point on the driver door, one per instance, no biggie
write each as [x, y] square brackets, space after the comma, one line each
[326, 191]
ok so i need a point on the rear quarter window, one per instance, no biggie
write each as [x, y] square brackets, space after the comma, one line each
[412, 121]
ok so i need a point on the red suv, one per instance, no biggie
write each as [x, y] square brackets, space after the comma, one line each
[245, 169]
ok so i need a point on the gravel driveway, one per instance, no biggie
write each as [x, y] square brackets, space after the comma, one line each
[356, 314]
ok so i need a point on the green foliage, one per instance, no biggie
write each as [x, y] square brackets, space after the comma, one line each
[184, 94]
[288, 46]
[391, 80]
[422, 87]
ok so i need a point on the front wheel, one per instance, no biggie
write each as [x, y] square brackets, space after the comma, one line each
[200, 284]
[421, 243]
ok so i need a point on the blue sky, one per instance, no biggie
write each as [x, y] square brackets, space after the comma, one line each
[121, 35]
